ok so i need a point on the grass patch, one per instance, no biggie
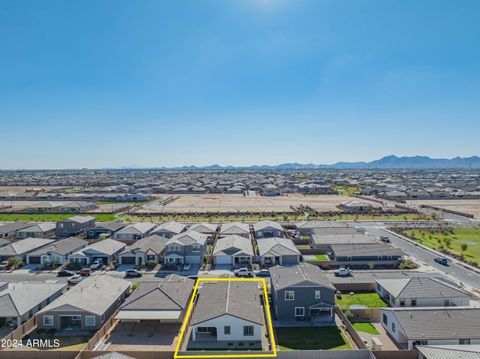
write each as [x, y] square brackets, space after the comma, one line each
[450, 240]
[311, 338]
[370, 300]
[72, 343]
[10, 217]
[319, 258]
[365, 328]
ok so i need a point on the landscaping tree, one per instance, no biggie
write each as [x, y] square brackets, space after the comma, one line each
[464, 247]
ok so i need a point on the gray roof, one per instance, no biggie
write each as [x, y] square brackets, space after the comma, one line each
[80, 219]
[320, 224]
[304, 274]
[439, 323]
[40, 227]
[450, 351]
[206, 228]
[235, 228]
[377, 249]
[94, 294]
[188, 238]
[137, 228]
[23, 246]
[61, 247]
[276, 247]
[172, 227]
[113, 355]
[421, 287]
[111, 226]
[238, 299]
[11, 227]
[154, 243]
[267, 224]
[325, 231]
[233, 245]
[107, 246]
[4, 242]
[171, 293]
[19, 298]
[343, 238]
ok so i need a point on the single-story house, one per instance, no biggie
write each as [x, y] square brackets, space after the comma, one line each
[448, 351]
[146, 249]
[74, 226]
[9, 230]
[410, 327]
[273, 251]
[365, 255]
[324, 241]
[106, 250]
[104, 228]
[358, 206]
[57, 252]
[237, 228]
[266, 229]
[134, 232]
[163, 301]
[170, 229]
[20, 301]
[22, 247]
[185, 248]
[227, 315]
[307, 227]
[86, 306]
[233, 250]
[205, 228]
[302, 293]
[39, 230]
[421, 292]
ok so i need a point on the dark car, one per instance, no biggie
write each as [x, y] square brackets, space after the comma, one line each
[441, 260]
[65, 273]
[263, 273]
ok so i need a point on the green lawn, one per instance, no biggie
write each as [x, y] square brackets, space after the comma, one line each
[366, 328]
[370, 300]
[311, 338]
[51, 217]
[451, 241]
[319, 258]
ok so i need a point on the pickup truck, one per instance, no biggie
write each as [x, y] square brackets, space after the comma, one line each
[243, 272]
[342, 272]
[96, 265]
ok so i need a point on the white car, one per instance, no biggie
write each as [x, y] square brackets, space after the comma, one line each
[74, 279]
[187, 267]
[243, 272]
[342, 272]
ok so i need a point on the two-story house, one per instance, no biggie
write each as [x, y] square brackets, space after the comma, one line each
[185, 248]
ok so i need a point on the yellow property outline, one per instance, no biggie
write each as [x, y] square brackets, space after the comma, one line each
[189, 311]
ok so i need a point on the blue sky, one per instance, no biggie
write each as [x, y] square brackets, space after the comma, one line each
[108, 83]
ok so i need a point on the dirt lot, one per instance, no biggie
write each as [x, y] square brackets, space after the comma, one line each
[471, 206]
[238, 202]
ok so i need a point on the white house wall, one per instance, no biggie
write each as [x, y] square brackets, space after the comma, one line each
[236, 329]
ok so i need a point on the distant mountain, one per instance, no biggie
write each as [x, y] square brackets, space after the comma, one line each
[387, 162]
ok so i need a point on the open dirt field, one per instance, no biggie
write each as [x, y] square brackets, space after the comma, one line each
[470, 206]
[237, 202]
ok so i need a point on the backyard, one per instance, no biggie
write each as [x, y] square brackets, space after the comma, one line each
[312, 338]
[66, 343]
[460, 241]
[318, 258]
[369, 300]
[365, 328]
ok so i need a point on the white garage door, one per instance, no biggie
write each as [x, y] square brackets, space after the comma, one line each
[223, 260]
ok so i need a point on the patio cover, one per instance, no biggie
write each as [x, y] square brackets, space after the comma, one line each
[148, 314]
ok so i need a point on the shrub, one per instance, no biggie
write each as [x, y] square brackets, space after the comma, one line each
[15, 262]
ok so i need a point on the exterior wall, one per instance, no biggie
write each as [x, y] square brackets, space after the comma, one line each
[236, 329]
[268, 232]
[65, 228]
[56, 321]
[38, 234]
[398, 334]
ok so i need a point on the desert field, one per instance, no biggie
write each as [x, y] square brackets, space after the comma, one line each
[240, 203]
[471, 206]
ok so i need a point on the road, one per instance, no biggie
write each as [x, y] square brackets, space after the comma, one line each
[454, 270]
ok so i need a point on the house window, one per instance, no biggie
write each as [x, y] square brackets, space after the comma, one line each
[317, 294]
[464, 341]
[299, 311]
[385, 319]
[289, 295]
[205, 329]
[393, 327]
[379, 287]
[248, 330]
[90, 320]
[414, 302]
[226, 330]
[48, 320]
[402, 302]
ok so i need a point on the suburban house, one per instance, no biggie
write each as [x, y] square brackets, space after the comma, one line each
[227, 315]
[22, 247]
[163, 301]
[39, 230]
[86, 306]
[170, 229]
[106, 250]
[144, 250]
[57, 252]
[307, 227]
[273, 251]
[410, 327]
[365, 255]
[106, 229]
[302, 293]
[21, 301]
[74, 226]
[240, 229]
[233, 250]
[9, 230]
[421, 292]
[448, 351]
[185, 248]
[324, 241]
[358, 206]
[267, 229]
[134, 232]
[205, 228]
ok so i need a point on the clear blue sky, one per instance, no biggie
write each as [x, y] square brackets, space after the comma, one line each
[107, 83]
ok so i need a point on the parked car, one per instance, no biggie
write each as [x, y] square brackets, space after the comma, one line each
[187, 267]
[243, 272]
[342, 272]
[96, 265]
[85, 272]
[74, 279]
[65, 273]
[130, 273]
[263, 273]
[441, 260]
[385, 239]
